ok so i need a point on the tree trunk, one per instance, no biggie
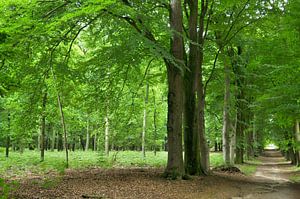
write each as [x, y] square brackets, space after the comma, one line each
[191, 125]
[106, 135]
[7, 137]
[43, 126]
[145, 121]
[226, 116]
[297, 136]
[53, 139]
[95, 142]
[204, 149]
[239, 157]
[87, 143]
[232, 142]
[154, 122]
[241, 105]
[174, 167]
[64, 129]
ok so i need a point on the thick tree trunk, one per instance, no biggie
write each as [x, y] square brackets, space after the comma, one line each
[204, 149]
[226, 116]
[87, 143]
[239, 156]
[241, 106]
[191, 122]
[145, 121]
[175, 167]
[43, 126]
[232, 142]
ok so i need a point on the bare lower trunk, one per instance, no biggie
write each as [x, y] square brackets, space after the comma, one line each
[191, 122]
[43, 127]
[87, 143]
[154, 122]
[95, 142]
[106, 135]
[297, 135]
[64, 129]
[174, 167]
[7, 137]
[204, 149]
[232, 142]
[226, 116]
[145, 121]
[53, 139]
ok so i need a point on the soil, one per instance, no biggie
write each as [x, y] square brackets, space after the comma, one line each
[271, 181]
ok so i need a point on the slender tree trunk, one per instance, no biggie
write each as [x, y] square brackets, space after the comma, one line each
[106, 135]
[53, 139]
[226, 115]
[64, 129]
[43, 126]
[95, 142]
[7, 137]
[297, 136]
[145, 121]
[154, 122]
[175, 167]
[87, 143]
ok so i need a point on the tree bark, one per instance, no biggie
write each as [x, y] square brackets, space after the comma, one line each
[43, 126]
[106, 135]
[191, 125]
[87, 143]
[154, 122]
[297, 136]
[95, 142]
[239, 157]
[53, 139]
[7, 137]
[145, 121]
[64, 129]
[204, 149]
[226, 115]
[232, 142]
[175, 167]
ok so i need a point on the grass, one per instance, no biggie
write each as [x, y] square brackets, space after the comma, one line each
[216, 159]
[29, 162]
[247, 169]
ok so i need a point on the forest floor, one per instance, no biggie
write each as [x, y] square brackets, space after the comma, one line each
[272, 179]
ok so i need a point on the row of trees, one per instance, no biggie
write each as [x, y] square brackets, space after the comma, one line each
[126, 74]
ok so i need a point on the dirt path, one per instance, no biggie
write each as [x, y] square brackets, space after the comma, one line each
[271, 181]
[275, 172]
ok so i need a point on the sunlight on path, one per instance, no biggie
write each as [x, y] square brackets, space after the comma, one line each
[274, 173]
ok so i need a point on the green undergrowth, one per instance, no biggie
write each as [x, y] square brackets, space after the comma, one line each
[250, 166]
[295, 179]
[247, 169]
[6, 188]
[28, 163]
